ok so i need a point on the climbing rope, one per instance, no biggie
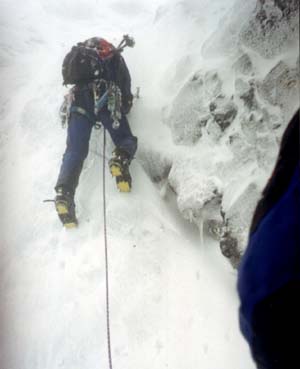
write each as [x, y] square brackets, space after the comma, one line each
[106, 256]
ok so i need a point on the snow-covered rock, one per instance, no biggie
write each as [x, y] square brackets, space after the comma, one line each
[244, 105]
[156, 164]
[224, 111]
[245, 90]
[273, 27]
[243, 65]
[280, 87]
[196, 192]
[190, 109]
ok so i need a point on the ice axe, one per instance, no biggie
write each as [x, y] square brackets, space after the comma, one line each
[130, 42]
[126, 41]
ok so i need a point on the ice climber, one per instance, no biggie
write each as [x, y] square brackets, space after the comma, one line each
[101, 93]
[269, 273]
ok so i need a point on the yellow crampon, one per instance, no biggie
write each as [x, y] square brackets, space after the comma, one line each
[115, 170]
[63, 212]
[61, 208]
[70, 225]
[123, 186]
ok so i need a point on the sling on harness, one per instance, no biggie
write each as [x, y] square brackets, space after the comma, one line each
[114, 104]
[112, 97]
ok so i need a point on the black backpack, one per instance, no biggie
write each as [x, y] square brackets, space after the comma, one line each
[81, 65]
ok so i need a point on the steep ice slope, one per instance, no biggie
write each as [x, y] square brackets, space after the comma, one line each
[173, 300]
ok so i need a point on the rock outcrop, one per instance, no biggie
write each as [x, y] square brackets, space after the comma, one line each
[273, 27]
[232, 134]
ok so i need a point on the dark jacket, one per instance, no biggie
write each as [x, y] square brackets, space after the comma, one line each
[92, 61]
[114, 69]
[269, 273]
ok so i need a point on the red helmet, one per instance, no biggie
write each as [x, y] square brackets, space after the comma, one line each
[105, 49]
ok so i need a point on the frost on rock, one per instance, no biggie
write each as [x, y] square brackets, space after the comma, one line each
[190, 109]
[229, 248]
[243, 152]
[261, 135]
[198, 196]
[250, 132]
[224, 111]
[245, 90]
[156, 164]
[238, 206]
[280, 87]
[273, 26]
[243, 65]
[231, 119]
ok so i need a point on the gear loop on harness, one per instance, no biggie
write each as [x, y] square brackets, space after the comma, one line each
[112, 97]
[105, 93]
[114, 104]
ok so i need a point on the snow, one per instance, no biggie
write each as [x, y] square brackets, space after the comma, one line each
[173, 297]
[229, 114]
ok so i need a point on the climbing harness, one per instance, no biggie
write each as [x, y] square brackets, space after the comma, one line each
[106, 258]
[112, 97]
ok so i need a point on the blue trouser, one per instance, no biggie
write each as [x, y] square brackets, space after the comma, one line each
[79, 132]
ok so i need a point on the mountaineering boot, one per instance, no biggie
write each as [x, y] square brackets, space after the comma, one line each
[119, 168]
[65, 207]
